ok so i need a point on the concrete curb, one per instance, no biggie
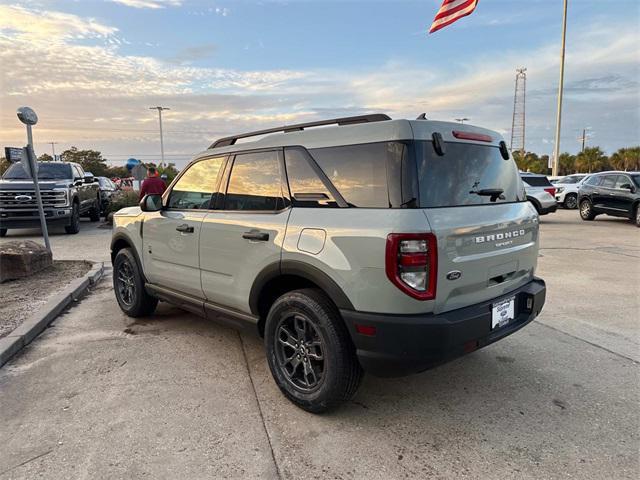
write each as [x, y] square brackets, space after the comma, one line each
[36, 323]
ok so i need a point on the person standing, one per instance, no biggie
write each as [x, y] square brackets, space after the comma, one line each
[153, 184]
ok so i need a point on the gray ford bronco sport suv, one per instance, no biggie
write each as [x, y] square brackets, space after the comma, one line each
[370, 245]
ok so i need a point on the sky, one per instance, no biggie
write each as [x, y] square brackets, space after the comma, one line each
[91, 69]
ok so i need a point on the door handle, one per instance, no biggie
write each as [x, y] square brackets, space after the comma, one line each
[184, 228]
[256, 235]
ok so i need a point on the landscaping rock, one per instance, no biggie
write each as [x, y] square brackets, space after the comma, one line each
[20, 259]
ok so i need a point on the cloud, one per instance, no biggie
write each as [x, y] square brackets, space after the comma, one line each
[89, 93]
[36, 25]
[194, 53]
[154, 4]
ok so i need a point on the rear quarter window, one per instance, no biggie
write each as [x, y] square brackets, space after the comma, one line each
[359, 172]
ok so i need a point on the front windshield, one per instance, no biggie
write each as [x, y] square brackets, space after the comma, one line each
[570, 179]
[46, 171]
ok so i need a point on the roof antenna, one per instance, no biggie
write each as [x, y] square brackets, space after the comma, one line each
[422, 116]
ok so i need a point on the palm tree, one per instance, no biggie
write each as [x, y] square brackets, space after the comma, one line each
[592, 159]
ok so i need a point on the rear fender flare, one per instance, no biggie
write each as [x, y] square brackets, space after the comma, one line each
[303, 270]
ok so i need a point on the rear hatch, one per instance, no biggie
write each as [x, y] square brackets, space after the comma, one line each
[487, 233]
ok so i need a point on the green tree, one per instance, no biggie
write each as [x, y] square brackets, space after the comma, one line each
[170, 171]
[592, 159]
[626, 159]
[4, 164]
[45, 157]
[91, 160]
[567, 164]
[117, 172]
[531, 162]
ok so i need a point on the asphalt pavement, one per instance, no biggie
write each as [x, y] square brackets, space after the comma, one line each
[101, 396]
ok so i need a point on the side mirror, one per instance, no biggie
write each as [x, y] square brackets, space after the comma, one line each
[628, 186]
[151, 203]
[88, 177]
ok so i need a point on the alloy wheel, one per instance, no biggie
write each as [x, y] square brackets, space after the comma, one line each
[300, 352]
[125, 282]
[571, 202]
[585, 209]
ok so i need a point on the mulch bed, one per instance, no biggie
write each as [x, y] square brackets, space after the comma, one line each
[20, 298]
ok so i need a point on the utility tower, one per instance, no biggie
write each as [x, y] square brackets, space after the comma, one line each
[585, 136]
[518, 123]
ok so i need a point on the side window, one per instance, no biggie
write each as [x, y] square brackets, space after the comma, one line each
[76, 172]
[609, 181]
[623, 180]
[359, 172]
[307, 190]
[255, 183]
[196, 185]
[594, 181]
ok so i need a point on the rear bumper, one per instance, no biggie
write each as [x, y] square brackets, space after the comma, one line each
[405, 344]
[31, 219]
[549, 209]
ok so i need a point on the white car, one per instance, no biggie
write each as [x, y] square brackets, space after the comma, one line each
[567, 189]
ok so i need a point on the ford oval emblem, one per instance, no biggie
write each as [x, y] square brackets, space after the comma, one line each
[454, 275]
[23, 198]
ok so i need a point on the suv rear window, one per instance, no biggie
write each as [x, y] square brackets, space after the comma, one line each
[536, 181]
[456, 178]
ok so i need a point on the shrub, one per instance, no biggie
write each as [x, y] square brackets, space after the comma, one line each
[123, 199]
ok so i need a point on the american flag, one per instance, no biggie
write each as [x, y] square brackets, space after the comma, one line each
[450, 11]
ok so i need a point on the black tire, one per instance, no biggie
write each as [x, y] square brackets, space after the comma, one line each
[571, 201]
[3, 232]
[326, 350]
[94, 213]
[636, 216]
[74, 222]
[128, 285]
[586, 210]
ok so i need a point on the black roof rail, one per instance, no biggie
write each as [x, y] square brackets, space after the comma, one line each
[374, 117]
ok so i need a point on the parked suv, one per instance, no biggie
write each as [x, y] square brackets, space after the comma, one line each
[614, 193]
[567, 189]
[67, 193]
[540, 192]
[377, 245]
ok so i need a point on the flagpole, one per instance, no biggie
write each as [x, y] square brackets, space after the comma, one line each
[556, 153]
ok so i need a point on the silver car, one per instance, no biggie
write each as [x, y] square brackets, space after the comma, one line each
[370, 245]
[540, 192]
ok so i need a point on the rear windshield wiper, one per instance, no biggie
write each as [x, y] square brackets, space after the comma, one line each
[494, 193]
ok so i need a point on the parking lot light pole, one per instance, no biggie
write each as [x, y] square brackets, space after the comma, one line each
[556, 150]
[160, 109]
[29, 118]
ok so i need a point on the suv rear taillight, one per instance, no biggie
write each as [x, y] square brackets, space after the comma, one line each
[411, 263]
[551, 191]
